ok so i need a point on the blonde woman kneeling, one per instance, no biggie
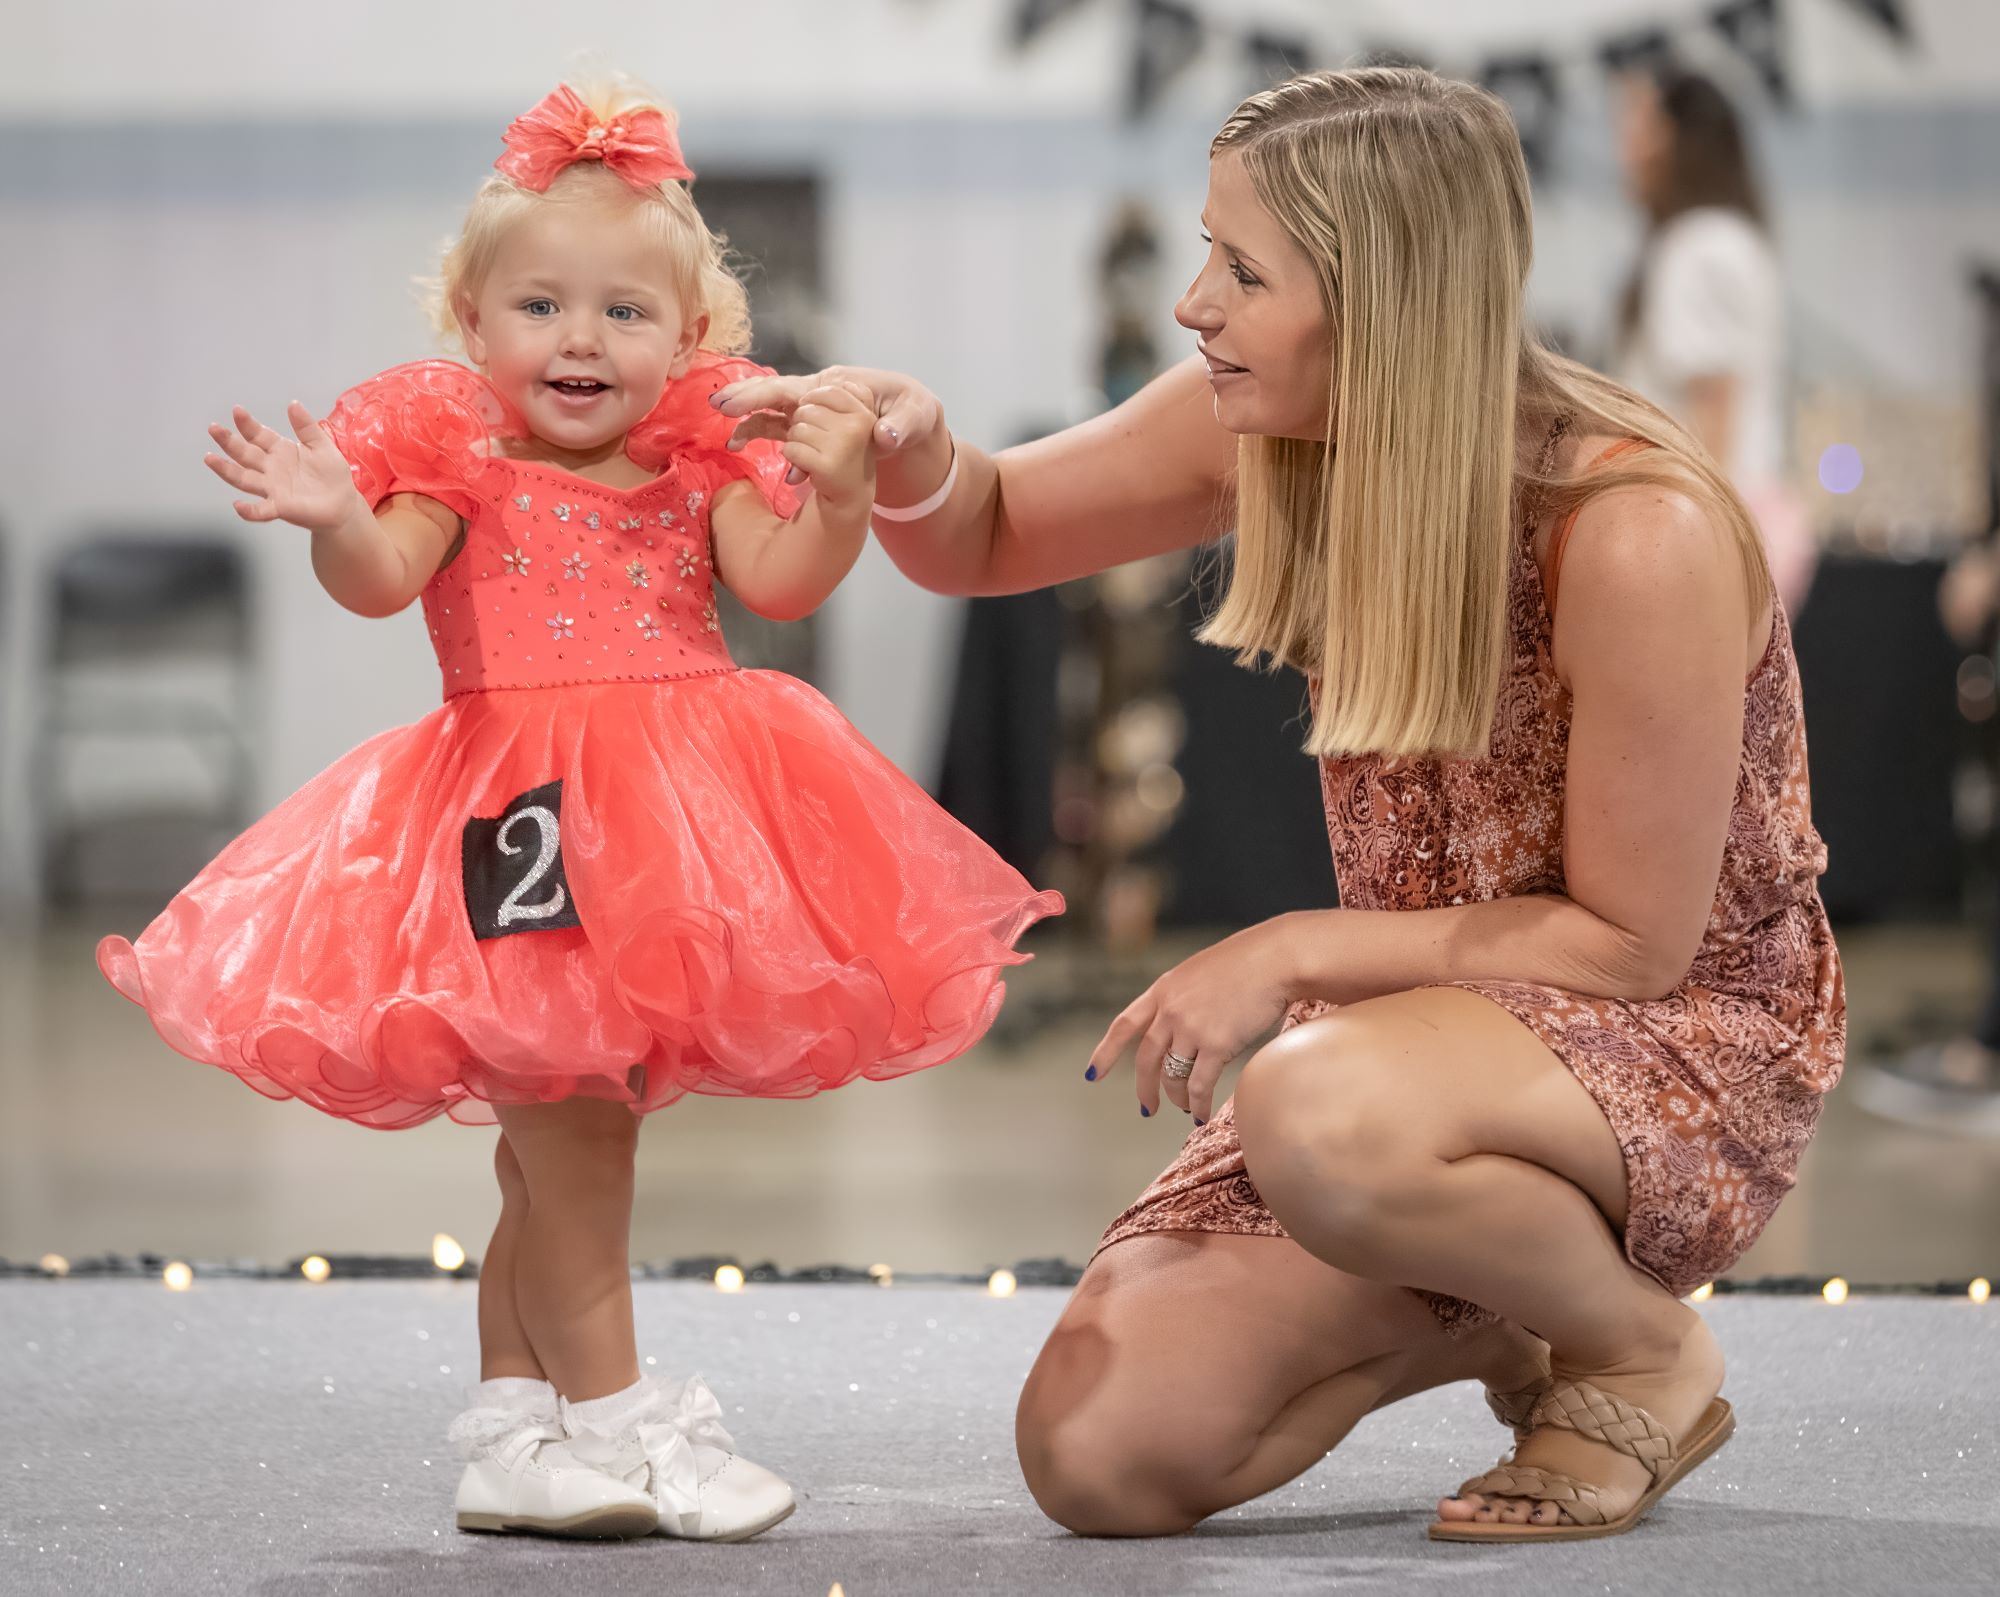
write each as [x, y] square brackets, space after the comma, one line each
[1553, 1061]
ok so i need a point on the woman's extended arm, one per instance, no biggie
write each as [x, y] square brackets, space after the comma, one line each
[1147, 477]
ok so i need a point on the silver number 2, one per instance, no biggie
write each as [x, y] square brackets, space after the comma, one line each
[512, 909]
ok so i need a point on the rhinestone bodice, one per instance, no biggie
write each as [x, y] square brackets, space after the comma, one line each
[560, 579]
[566, 580]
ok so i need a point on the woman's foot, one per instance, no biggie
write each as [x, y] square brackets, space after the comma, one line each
[1674, 1379]
[1513, 1366]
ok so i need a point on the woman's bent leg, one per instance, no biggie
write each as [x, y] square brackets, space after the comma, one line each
[1193, 1371]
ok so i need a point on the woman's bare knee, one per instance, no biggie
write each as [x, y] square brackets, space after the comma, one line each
[1314, 1133]
[1097, 1507]
[1092, 1467]
[1090, 1482]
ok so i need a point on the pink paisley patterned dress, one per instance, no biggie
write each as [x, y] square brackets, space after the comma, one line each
[1713, 1090]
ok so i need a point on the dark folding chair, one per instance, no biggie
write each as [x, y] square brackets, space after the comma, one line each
[127, 616]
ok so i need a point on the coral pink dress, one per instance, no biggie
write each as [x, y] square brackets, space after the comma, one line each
[612, 863]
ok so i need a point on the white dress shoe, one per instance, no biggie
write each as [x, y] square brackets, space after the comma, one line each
[675, 1447]
[520, 1476]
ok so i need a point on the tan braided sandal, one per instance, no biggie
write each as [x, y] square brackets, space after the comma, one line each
[1603, 1417]
[1515, 1409]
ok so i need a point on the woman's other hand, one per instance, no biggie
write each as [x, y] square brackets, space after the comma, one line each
[1209, 1008]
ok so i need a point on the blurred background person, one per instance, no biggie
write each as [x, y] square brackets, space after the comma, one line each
[1700, 329]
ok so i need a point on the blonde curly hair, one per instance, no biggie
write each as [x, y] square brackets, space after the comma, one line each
[698, 259]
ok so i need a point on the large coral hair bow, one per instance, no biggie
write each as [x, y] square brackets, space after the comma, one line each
[638, 145]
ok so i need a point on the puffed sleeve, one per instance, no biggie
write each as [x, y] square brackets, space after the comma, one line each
[424, 428]
[684, 424]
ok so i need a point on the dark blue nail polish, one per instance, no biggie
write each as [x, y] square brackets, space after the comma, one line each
[1144, 1112]
[1090, 1072]
[1199, 1121]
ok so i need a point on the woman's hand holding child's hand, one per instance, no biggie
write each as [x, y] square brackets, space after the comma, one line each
[305, 480]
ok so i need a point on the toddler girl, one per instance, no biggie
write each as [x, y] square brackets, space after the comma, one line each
[612, 868]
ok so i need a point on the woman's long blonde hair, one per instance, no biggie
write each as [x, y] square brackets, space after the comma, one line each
[697, 258]
[1377, 561]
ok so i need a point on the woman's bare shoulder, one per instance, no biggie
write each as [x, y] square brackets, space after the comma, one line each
[1645, 552]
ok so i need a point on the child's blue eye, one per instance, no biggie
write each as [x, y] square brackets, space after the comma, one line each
[630, 313]
[533, 307]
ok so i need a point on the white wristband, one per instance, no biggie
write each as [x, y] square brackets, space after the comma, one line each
[922, 507]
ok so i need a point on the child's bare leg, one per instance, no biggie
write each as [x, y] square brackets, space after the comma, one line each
[571, 1257]
[504, 1349]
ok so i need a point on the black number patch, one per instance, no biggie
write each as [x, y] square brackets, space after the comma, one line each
[513, 868]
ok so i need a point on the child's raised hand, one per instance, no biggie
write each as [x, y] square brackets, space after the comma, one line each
[303, 480]
[831, 439]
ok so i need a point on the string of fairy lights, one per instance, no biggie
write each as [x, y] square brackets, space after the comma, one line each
[448, 1261]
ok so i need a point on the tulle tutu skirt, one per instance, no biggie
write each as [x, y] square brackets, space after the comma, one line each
[761, 905]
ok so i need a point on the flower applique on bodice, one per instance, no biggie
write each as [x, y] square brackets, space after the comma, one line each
[560, 579]
[573, 581]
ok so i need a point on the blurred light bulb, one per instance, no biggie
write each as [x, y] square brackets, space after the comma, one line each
[177, 1276]
[54, 1264]
[1980, 1290]
[1702, 1293]
[1001, 1283]
[315, 1269]
[881, 1275]
[1835, 1291]
[446, 1254]
[1160, 787]
[1840, 469]
[729, 1279]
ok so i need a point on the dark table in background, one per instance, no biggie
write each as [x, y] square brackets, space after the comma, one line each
[1249, 841]
[1884, 737]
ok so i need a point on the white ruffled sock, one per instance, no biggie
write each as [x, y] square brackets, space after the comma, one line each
[499, 1409]
[608, 1416]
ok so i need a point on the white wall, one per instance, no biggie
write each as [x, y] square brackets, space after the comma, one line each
[198, 209]
[85, 59]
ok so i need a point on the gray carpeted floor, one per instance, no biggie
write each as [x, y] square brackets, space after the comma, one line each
[279, 1439]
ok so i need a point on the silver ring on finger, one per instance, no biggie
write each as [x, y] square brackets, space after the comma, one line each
[1176, 1067]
